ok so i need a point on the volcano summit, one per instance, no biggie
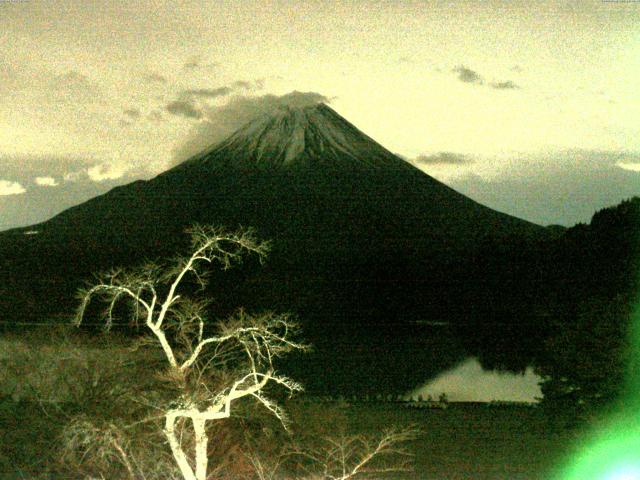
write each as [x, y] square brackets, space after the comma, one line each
[314, 136]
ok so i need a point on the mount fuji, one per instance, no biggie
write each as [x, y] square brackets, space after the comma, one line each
[365, 246]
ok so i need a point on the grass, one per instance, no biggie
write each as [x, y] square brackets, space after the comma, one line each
[473, 441]
[466, 441]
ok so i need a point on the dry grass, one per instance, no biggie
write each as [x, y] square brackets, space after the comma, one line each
[81, 438]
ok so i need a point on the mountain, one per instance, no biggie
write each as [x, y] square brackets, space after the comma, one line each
[365, 246]
[303, 137]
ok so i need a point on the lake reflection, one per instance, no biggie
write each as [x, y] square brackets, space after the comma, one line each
[468, 382]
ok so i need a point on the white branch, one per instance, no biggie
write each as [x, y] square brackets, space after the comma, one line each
[260, 339]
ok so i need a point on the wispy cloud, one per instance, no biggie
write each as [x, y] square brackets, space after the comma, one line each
[74, 86]
[208, 92]
[156, 116]
[106, 171]
[74, 176]
[155, 78]
[133, 113]
[24, 168]
[195, 62]
[443, 158]
[184, 108]
[51, 171]
[467, 75]
[250, 86]
[8, 187]
[192, 102]
[507, 85]
[242, 84]
[45, 181]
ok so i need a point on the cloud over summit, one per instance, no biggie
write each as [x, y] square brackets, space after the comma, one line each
[221, 121]
[191, 102]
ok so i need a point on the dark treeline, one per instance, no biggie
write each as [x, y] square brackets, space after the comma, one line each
[565, 306]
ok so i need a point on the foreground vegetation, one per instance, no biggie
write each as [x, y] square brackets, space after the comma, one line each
[465, 441]
[156, 402]
[177, 378]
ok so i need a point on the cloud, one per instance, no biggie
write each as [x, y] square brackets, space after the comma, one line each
[251, 86]
[46, 181]
[208, 92]
[74, 86]
[184, 108]
[467, 75]
[11, 188]
[70, 79]
[106, 171]
[222, 121]
[242, 84]
[195, 61]
[443, 158]
[155, 78]
[73, 176]
[631, 166]
[156, 116]
[132, 113]
[506, 85]
[222, 91]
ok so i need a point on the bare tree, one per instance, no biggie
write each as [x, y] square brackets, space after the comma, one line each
[344, 457]
[212, 369]
[361, 456]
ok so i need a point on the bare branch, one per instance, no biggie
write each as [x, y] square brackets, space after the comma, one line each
[243, 347]
[359, 456]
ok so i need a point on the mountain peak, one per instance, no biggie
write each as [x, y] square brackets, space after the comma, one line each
[297, 137]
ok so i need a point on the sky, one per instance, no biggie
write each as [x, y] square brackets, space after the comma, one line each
[529, 107]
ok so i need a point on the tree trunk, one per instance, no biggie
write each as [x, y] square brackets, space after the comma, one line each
[201, 447]
[176, 448]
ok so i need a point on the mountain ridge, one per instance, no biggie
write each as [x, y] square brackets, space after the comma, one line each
[363, 242]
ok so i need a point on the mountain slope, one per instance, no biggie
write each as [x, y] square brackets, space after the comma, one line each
[364, 243]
